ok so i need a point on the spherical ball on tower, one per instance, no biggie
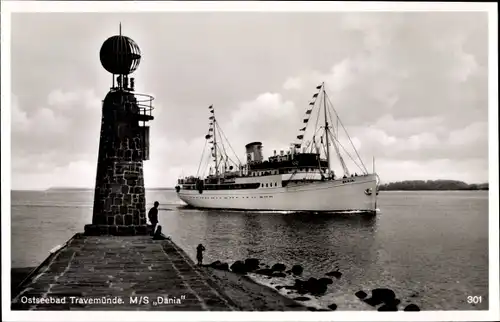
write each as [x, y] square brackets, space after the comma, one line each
[120, 55]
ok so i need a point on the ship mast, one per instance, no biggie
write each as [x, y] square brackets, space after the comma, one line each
[334, 138]
[330, 129]
[326, 129]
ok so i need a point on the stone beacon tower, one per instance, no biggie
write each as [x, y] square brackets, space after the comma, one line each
[119, 200]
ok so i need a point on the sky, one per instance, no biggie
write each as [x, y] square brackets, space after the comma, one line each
[410, 88]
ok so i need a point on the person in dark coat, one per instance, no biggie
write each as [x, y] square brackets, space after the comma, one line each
[199, 254]
[153, 216]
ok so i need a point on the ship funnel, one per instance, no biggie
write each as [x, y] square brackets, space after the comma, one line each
[254, 152]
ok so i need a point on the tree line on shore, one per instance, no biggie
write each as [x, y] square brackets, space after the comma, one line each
[432, 185]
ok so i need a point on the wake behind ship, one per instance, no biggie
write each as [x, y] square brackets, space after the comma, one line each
[300, 180]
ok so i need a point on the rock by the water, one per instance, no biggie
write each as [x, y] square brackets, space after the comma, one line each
[312, 286]
[297, 270]
[264, 271]
[223, 267]
[373, 301]
[316, 287]
[325, 280]
[279, 287]
[219, 265]
[381, 295]
[412, 307]
[251, 264]
[301, 298]
[310, 308]
[335, 274]
[279, 274]
[388, 308]
[385, 294]
[332, 307]
[239, 267]
[361, 294]
[216, 263]
[394, 302]
[278, 267]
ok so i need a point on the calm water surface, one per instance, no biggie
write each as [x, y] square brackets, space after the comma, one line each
[431, 248]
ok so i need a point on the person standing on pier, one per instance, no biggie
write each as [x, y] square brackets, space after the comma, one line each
[199, 254]
[153, 216]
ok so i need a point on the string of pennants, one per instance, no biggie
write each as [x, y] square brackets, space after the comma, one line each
[307, 117]
[211, 123]
[211, 129]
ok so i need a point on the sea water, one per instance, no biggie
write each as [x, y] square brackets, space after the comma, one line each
[431, 248]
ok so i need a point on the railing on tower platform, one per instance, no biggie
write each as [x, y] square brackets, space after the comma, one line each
[144, 102]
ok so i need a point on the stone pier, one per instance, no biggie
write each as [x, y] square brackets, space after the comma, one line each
[126, 273]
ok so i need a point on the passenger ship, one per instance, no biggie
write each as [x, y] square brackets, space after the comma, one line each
[300, 180]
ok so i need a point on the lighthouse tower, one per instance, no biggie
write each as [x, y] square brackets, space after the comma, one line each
[119, 200]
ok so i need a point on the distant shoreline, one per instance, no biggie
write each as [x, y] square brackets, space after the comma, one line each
[432, 185]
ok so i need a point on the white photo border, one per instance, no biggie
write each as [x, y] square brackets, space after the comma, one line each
[8, 7]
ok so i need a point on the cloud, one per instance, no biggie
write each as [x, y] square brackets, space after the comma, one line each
[41, 121]
[262, 114]
[461, 144]
[409, 126]
[293, 83]
[20, 121]
[59, 129]
[404, 71]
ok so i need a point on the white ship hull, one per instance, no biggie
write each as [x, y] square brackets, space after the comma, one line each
[351, 194]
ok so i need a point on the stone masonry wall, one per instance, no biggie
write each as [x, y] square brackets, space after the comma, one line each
[119, 199]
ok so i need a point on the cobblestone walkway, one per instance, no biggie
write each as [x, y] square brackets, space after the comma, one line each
[137, 272]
